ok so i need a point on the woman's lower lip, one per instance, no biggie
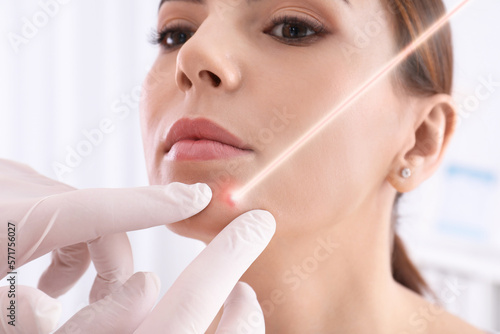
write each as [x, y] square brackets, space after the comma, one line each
[203, 149]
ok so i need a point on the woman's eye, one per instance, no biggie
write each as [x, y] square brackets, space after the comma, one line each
[292, 29]
[171, 37]
[177, 37]
[289, 30]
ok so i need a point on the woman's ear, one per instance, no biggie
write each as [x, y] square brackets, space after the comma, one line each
[434, 126]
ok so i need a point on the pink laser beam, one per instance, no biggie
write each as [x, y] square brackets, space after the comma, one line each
[347, 102]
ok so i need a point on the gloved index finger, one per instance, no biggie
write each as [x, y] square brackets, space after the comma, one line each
[83, 215]
[197, 295]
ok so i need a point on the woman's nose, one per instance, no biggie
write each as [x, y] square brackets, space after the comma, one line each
[209, 60]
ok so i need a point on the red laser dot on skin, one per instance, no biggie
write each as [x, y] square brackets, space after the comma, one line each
[227, 197]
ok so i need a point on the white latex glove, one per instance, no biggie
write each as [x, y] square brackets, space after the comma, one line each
[191, 304]
[119, 312]
[77, 224]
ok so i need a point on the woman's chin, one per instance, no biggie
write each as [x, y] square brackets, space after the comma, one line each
[221, 210]
[205, 225]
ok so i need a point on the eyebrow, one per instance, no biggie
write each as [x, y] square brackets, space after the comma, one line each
[201, 2]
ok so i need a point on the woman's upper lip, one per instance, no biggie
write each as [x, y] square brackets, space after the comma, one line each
[201, 128]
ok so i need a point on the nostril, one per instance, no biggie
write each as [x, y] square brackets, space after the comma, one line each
[184, 82]
[214, 78]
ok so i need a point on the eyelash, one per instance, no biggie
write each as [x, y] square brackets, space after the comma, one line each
[158, 37]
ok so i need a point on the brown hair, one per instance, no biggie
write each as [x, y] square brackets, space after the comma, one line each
[427, 71]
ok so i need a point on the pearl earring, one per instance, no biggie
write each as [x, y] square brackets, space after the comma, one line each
[406, 173]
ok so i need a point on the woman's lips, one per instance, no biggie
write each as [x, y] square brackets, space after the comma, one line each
[202, 139]
[203, 149]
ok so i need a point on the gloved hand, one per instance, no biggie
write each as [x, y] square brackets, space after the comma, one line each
[208, 283]
[188, 307]
[37, 313]
[48, 215]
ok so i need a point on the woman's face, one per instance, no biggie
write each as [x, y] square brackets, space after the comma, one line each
[268, 81]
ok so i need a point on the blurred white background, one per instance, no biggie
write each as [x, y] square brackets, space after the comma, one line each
[88, 60]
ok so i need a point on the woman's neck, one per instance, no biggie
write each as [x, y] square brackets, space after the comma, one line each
[339, 280]
[334, 281]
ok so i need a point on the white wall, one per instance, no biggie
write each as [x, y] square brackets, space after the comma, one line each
[91, 55]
